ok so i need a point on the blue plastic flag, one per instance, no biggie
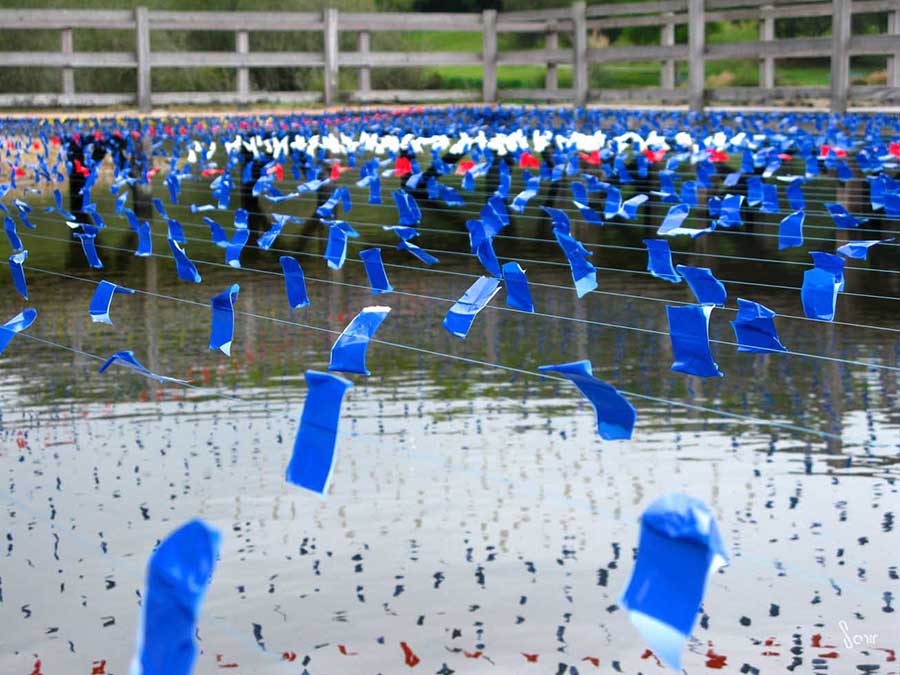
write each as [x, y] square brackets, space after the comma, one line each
[754, 328]
[754, 191]
[461, 315]
[532, 187]
[730, 214]
[279, 220]
[583, 273]
[795, 194]
[378, 280]
[145, 240]
[659, 260]
[126, 359]
[706, 288]
[790, 230]
[241, 218]
[340, 195]
[294, 282]
[689, 333]
[770, 198]
[17, 324]
[615, 415]
[403, 232]
[24, 209]
[842, 218]
[420, 253]
[819, 294]
[679, 546]
[312, 460]
[588, 213]
[518, 295]
[87, 237]
[348, 354]
[183, 265]
[336, 248]
[16, 260]
[178, 575]
[830, 263]
[407, 208]
[222, 332]
[558, 219]
[615, 207]
[176, 232]
[674, 218]
[859, 250]
[219, 237]
[102, 299]
[235, 246]
[10, 226]
[689, 193]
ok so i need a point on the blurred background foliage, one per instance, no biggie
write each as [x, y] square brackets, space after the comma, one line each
[867, 70]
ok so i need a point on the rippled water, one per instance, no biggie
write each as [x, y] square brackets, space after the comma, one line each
[474, 514]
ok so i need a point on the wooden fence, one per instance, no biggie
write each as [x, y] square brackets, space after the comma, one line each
[573, 24]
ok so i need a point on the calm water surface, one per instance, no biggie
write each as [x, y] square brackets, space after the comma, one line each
[474, 515]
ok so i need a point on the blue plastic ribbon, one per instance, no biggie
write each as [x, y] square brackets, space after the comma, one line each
[378, 280]
[126, 359]
[183, 265]
[418, 252]
[348, 354]
[222, 332]
[294, 282]
[818, 294]
[461, 315]
[17, 324]
[859, 250]
[790, 230]
[312, 460]
[583, 273]
[178, 575]
[754, 328]
[689, 334]
[518, 295]
[615, 415]
[706, 288]
[659, 260]
[102, 299]
[16, 260]
[679, 546]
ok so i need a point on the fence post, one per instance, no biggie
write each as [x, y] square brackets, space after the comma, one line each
[363, 44]
[579, 48]
[242, 46]
[667, 39]
[330, 20]
[67, 46]
[767, 34]
[893, 64]
[840, 58]
[696, 59]
[142, 44]
[489, 55]
[551, 41]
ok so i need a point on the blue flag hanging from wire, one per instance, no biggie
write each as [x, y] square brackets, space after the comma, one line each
[583, 273]
[312, 460]
[860, 249]
[706, 288]
[17, 324]
[754, 328]
[183, 265]
[102, 299]
[378, 280]
[790, 230]
[348, 354]
[678, 548]
[615, 415]
[659, 260]
[689, 334]
[178, 575]
[294, 282]
[818, 294]
[16, 260]
[518, 295]
[126, 359]
[222, 332]
[461, 315]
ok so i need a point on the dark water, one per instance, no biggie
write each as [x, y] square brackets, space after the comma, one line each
[474, 514]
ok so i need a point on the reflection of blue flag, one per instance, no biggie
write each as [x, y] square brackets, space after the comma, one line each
[754, 328]
[222, 332]
[17, 324]
[615, 415]
[689, 333]
[348, 354]
[294, 282]
[679, 546]
[460, 317]
[178, 575]
[102, 299]
[312, 460]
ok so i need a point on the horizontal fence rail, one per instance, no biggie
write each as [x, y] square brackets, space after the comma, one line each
[566, 44]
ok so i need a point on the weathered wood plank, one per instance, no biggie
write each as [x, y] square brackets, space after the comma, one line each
[648, 53]
[667, 41]
[540, 95]
[404, 21]
[409, 59]
[534, 57]
[489, 56]
[580, 53]
[508, 26]
[234, 21]
[230, 97]
[73, 60]
[758, 95]
[794, 47]
[58, 19]
[413, 95]
[840, 57]
[332, 55]
[142, 58]
[648, 94]
[696, 54]
[631, 21]
[551, 43]
[67, 46]
[363, 46]
[242, 46]
[236, 60]
[767, 62]
[871, 94]
[52, 100]
[872, 44]
[637, 8]
[538, 15]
